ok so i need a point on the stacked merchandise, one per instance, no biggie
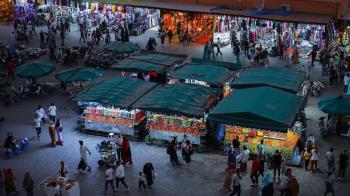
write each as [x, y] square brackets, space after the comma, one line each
[6, 11]
[110, 115]
[273, 140]
[177, 124]
[141, 19]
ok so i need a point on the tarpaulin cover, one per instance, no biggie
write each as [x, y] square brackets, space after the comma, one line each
[277, 77]
[163, 59]
[263, 108]
[335, 105]
[210, 74]
[177, 99]
[130, 65]
[120, 92]
[35, 70]
[228, 65]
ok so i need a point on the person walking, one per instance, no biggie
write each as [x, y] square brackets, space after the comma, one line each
[162, 37]
[52, 112]
[261, 166]
[10, 182]
[142, 180]
[83, 151]
[330, 160]
[120, 176]
[228, 179]
[255, 170]
[276, 160]
[41, 113]
[244, 156]
[232, 157]
[126, 152]
[314, 158]
[281, 50]
[313, 55]
[10, 69]
[267, 185]
[293, 185]
[52, 133]
[236, 51]
[236, 180]
[37, 124]
[260, 148]
[332, 74]
[170, 35]
[218, 46]
[59, 130]
[330, 182]
[187, 152]
[148, 170]
[28, 184]
[109, 178]
[307, 157]
[343, 164]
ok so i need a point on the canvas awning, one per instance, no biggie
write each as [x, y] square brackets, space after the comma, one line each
[160, 58]
[120, 92]
[214, 75]
[230, 66]
[177, 99]
[335, 105]
[277, 77]
[263, 108]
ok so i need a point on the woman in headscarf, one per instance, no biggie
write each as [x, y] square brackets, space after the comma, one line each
[10, 182]
[148, 170]
[59, 130]
[126, 151]
[267, 185]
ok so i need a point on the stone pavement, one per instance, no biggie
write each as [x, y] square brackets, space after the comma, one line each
[203, 178]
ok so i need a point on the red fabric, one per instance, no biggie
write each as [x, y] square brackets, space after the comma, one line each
[10, 66]
[255, 166]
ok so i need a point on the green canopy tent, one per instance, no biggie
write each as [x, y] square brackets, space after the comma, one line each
[177, 99]
[35, 70]
[131, 65]
[120, 92]
[277, 77]
[160, 58]
[335, 105]
[230, 66]
[211, 74]
[262, 107]
[122, 47]
[78, 74]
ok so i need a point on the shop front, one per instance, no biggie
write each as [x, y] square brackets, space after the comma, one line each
[107, 106]
[268, 33]
[274, 112]
[197, 27]
[177, 110]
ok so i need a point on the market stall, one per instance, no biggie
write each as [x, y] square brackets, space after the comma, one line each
[198, 26]
[25, 9]
[177, 110]
[281, 78]
[53, 185]
[113, 112]
[262, 113]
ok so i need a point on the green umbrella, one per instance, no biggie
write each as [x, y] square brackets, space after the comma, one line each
[34, 70]
[78, 74]
[122, 47]
[335, 105]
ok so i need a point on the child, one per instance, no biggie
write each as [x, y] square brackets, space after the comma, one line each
[142, 180]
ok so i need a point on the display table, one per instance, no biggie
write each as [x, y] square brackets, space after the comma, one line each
[168, 135]
[109, 128]
[68, 188]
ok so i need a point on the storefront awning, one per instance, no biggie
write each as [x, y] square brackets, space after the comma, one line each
[264, 108]
[177, 99]
[201, 8]
[277, 77]
[213, 75]
[138, 66]
[120, 92]
[335, 105]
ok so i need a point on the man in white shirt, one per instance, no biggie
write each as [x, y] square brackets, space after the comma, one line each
[109, 178]
[83, 150]
[244, 156]
[120, 176]
[236, 179]
[37, 123]
[52, 112]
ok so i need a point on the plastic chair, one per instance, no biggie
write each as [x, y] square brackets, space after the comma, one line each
[9, 154]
